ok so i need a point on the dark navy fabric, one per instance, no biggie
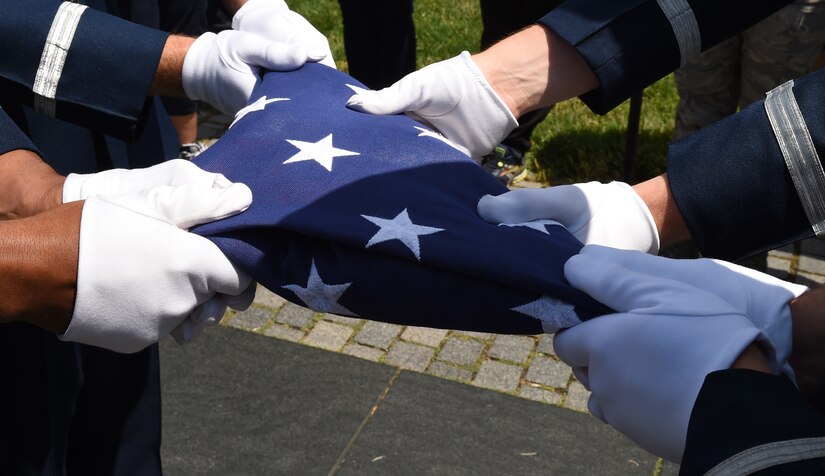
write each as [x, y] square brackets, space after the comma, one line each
[465, 273]
[67, 408]
[732, 185]
[630, 44]
[11, 137]
[122, 55]
[738, 410]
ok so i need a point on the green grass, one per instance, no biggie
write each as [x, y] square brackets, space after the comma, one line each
[572, 144]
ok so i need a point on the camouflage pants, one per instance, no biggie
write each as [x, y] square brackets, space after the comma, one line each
[743, 68]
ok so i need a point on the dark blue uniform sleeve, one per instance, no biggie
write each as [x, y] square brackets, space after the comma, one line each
[731, 181]
[745, 421]
[77, 64]
[630, 44]
[11, 137]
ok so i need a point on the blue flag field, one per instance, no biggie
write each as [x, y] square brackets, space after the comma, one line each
[375, 217]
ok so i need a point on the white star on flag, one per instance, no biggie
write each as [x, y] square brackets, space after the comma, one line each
[437, 136]
[258, 105]
[322, 152]
[538, 225]
[320, 296]
[552, 313]
[400, 228]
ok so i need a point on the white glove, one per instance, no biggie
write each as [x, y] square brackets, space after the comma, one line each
[273, 20]
[646, 365]
[223, 69]
[140, 274]
[763, 298]
[452, 96]
[122, 181]
[610, 214]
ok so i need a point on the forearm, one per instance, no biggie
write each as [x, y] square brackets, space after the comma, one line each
[28, 185]
[167, 80]
[658, 197]
[38, 267]
[630, 44]
[535, 68]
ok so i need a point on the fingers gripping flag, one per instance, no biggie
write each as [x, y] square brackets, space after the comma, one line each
[375, 217]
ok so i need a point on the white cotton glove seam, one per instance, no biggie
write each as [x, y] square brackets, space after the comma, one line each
[651, 223]
[189, 72]
[72, 188]
[478, 77]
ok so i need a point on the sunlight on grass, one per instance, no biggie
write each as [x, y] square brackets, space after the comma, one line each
[572, 144]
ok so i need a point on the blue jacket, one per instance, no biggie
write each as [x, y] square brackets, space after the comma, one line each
[731, 181]
[75, 79]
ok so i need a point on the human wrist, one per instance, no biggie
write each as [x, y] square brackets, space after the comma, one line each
[516, 73]
[169, 74]
[28, 185]
[657, 196]
[535, 68]
[752, 358]
[41, 254]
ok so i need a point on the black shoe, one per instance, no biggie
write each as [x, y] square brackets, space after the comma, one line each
[190, 151]
[505, 164]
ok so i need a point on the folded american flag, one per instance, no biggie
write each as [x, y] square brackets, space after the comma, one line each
[375, 217]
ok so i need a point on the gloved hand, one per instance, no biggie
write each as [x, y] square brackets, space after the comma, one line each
[273, 20]
[452, 96]
[122, 181]
[646, 364]
[610, 214]
[141, 274]
[223, 69]
[764, 299]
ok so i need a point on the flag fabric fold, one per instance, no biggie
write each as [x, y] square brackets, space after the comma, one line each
[375, 217]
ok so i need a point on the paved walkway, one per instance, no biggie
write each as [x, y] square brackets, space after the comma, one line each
[522, 366]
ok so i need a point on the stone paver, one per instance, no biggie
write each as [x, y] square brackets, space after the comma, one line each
[267, 298]
[475, 335]
[347, 321]
[811, 264]
[363, 352]
[424, 335]
[284, 332]
[810, 278]
[545, 345]
[549, 372]
[378, 334]
[253, 318]
[445, 370]
[577, 397]
[779, 267]
[294, 315]
[541, 395]
[410, 356]
[512, 348]
[498, 376]
[786, 252]
[328, 335]
[461, 351]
